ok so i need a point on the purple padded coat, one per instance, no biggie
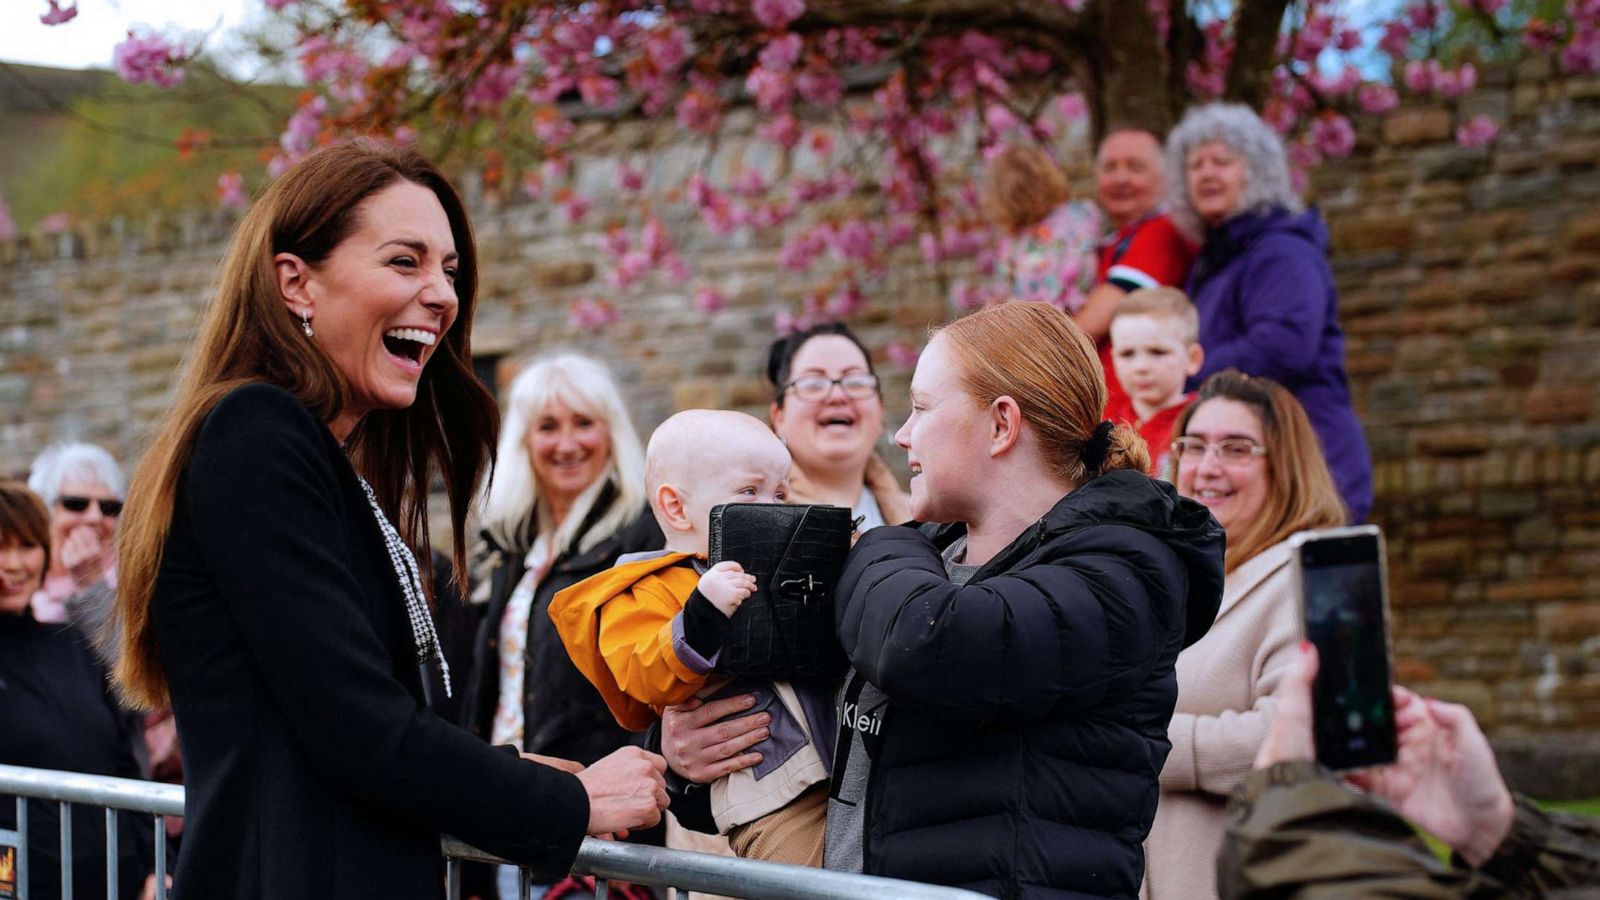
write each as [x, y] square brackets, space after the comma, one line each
[1268, 307]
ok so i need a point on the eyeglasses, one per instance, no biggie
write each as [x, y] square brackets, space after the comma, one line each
[1231, 451]
[108, 508]
[815, 387]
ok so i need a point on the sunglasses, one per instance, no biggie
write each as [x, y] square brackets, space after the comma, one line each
[108, 508]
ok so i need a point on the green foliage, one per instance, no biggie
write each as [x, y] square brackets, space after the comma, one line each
[121, 149]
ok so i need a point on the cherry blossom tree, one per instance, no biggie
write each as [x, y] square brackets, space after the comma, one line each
[887, 103]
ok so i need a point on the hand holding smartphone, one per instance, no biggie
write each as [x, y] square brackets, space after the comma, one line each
[1342, 585]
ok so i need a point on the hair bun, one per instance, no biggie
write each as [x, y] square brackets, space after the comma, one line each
[1095, 448]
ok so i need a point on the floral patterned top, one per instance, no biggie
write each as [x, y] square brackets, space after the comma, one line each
[1055, 260]
[508, 723]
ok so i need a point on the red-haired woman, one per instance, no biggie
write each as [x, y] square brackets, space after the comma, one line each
[1006, 721]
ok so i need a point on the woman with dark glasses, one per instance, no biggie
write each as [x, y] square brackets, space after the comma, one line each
[83, 489]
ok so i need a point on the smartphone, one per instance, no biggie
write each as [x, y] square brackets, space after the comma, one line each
[1344, 601]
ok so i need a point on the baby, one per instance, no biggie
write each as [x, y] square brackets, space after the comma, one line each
[647, 632]
[1155, 348]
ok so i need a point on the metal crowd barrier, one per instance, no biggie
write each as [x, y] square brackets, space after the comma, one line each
[606, 861]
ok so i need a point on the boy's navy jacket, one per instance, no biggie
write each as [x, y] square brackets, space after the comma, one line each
[1028, 714]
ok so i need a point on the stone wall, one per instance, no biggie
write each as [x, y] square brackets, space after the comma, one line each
[1469, 280]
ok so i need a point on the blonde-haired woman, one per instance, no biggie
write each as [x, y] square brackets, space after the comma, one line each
[1006, 721]
[1246, 451]
[567, 498]
[1048, 240]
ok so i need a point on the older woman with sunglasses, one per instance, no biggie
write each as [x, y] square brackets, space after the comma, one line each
[1247, 452]
[83, 489]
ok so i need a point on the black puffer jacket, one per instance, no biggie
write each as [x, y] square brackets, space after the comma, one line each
[563, 715]
[1028, 710]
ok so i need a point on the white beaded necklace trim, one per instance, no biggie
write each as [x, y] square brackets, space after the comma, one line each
[405, 568]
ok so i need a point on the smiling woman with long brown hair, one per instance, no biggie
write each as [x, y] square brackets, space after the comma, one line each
[268, 584]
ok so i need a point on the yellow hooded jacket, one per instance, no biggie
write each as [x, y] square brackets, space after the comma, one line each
[617, 628]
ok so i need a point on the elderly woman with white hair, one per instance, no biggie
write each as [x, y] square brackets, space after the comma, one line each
[566, 499]
[1262, 284]
[83, 488]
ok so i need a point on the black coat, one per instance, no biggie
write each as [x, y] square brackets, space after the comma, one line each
[1028, 711]
[314, 768]
[563, 714]
[56, 712]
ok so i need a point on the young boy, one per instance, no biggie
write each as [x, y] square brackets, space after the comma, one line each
[1155, 348]
[647, 632]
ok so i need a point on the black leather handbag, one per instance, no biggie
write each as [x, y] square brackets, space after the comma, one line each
[796, 553]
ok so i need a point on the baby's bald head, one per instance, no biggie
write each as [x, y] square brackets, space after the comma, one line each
[700, 458]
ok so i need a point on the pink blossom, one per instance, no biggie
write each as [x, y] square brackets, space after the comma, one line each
[1376, 98]
[588, 314]
[770, 89]
[667, 49]
[8, 225]
[820, 86]
[631, 179]
[897, 232]
[1348, 39]
[781, 53]
[1479, 132]
[404, 135]
[55, 223]
[1072, 107]
[149, 58]
[1422, 75]
[799, 251]
[1073, 5]
[965, 296]
[852, 241]
[576, 207]
[777, 13]
[1314, 37]
[782, 129]
[1423, 14]
[230, 191]
[698, 111]
[676, 268]
[1541, 37]
[1333, 135]
[748, 183]
[653, 240]
[845, 302]
[1489, 7]
[1396, 38]
[708, 300]
[57, 16]
[902, 355]
[1583, 53]
[533, 185]
[278, 5]
[301, 131]
[1302, 153]
[615, 241]
[821, 143]
[631, 267]
[1454, 84]
[598, 91]
[1000, 119]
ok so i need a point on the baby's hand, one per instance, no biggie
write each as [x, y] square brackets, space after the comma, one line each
[726, 584]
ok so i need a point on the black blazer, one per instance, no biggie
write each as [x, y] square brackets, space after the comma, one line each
[314, 768]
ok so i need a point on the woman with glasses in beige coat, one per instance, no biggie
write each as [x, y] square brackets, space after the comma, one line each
[1246, 451]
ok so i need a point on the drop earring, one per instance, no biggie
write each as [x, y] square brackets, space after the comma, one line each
[305, 322]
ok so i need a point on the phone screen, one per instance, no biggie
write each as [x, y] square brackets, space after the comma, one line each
[1344, 609]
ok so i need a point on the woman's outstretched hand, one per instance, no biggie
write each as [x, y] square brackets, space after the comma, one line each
[627, 789]
[702, 751]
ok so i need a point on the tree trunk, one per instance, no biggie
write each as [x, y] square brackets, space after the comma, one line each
[1126, 70]
[1255, 44]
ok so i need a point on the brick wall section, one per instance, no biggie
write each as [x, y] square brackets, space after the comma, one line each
[1469, 280]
